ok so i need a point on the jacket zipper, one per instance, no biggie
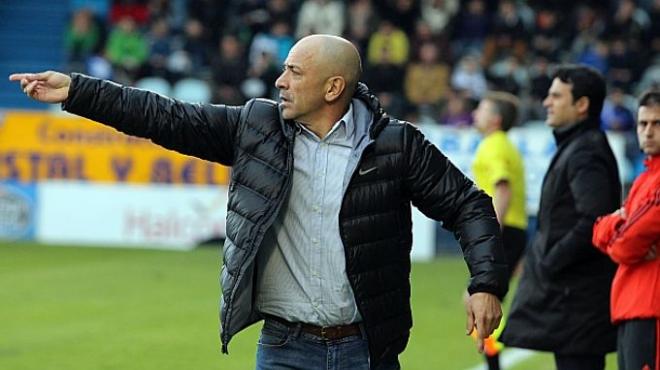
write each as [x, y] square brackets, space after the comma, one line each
[225, 326]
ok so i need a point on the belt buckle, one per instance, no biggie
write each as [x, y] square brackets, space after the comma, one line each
[324, 332]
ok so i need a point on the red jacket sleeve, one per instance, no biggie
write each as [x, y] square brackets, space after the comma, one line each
[604, 230]
[634, 238]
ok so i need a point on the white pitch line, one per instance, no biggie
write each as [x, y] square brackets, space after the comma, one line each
[508, 358]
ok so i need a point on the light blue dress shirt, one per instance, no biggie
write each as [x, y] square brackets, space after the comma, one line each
[301, 269]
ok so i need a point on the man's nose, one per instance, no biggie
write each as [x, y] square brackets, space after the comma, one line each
[648, 130]
[279, 83]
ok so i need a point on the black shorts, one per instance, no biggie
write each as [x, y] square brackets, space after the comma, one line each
[637, 344]
[514, 241]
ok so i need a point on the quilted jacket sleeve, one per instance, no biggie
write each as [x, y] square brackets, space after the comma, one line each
[201, 130]
[444, 193]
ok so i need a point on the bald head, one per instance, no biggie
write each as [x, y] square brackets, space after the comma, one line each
[333, 56]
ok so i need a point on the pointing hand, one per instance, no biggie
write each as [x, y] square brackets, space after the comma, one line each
[46, 87]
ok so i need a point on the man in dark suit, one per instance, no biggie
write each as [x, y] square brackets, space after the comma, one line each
[562, 303]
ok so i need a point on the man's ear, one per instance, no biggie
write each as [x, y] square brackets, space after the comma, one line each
[497, 121]
[582, 105]
[334, 87]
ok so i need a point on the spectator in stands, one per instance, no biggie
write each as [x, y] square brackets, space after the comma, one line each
[160, 49]
[362, 21]
[469, 77]
[539, 82]
[290, 216]
[547, 40]
[322, 17]
[499, 171]
[81, 39]
[388, 45]
[282, 11]
[195, 45]
[277, 42]
[403, 14]
[262, 73]
[628, 22]
[654, 29]
[423, 35]
[623, 68]
[127, 50]
[507, 34]
[229, 71]
[427, 79]
[595, 55]
[509, 75]
[253, 15]
[561, 304]
[387, 56]
[651, 77]
[213, 16]
[438, 14]
[616, 116]
[456, 111]
[589, 27]
[472, 26]
[631, 238]
[136, 10]
[174, 12]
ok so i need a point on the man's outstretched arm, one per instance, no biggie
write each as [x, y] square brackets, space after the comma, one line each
[201, 130]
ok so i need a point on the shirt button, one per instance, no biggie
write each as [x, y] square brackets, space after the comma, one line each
[315, 241]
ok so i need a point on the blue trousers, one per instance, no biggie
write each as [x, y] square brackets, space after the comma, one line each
[288, 348]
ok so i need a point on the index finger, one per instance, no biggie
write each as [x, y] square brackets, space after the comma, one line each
[18, 76]
[28, 76]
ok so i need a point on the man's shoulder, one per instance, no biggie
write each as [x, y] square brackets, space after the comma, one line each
[593, 140]
[397, 128]
[262, 105]
[259, 110]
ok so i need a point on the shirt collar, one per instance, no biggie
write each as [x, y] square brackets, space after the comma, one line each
[340, 131]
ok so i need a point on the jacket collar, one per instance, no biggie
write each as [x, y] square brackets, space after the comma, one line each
[380, 118]
[565, 133]
[652, 162]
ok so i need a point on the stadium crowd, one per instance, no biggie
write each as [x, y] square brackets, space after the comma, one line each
[428, 60]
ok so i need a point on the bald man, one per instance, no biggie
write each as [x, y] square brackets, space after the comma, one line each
[319, 224]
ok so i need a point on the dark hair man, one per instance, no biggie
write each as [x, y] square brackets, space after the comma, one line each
[561, 304]
[631, 237]
[319, 209]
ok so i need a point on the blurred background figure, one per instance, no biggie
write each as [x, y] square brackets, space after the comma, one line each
[499, 171]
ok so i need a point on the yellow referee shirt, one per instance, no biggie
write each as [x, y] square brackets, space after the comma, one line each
[498, 159]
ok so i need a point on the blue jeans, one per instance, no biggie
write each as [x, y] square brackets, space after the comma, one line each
[288, 348]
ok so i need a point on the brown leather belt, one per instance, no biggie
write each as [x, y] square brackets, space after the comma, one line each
[324, 332]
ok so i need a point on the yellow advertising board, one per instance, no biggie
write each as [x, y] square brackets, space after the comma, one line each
[38, 146]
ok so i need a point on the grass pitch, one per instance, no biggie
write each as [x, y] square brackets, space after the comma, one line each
[65, 308]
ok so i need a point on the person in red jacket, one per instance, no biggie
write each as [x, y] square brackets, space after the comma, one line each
[631, 237]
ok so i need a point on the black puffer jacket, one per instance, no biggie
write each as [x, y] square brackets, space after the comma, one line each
[375, 217]
[562, 301]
